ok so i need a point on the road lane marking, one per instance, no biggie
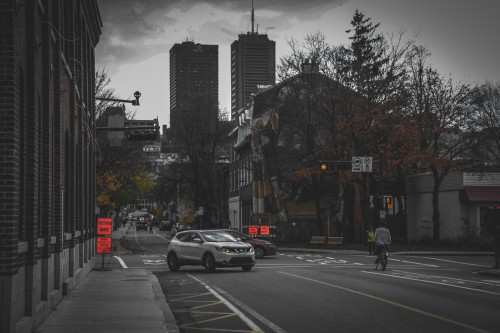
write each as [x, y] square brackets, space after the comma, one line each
[406, 307]
[434, 282]
[251, 311]
[231, 307]
[455, 262]
[412, 262]
[120, 260]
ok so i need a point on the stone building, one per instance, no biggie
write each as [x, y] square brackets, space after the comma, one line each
[47, 132]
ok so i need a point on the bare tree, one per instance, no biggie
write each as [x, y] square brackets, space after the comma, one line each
[486, 104]
[440, 108]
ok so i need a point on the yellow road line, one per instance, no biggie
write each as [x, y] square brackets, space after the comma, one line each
[188, 297]
[212, 319]
[218, 329]
[391, 302]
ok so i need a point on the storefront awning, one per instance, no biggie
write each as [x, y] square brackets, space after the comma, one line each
[483, 193]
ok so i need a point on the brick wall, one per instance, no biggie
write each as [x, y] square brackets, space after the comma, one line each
[47, 161]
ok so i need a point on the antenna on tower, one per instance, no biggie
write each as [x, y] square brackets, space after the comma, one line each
[253, 19]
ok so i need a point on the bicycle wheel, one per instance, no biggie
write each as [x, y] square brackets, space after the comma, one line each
[384, 259]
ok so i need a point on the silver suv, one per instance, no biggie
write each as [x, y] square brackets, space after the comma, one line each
[209, 248]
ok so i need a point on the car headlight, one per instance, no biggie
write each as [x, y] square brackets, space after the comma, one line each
[222, 250]
[251, 250]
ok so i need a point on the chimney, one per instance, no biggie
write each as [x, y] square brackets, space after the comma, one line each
[309, 67]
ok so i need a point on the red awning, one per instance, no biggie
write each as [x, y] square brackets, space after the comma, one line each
[483, 193]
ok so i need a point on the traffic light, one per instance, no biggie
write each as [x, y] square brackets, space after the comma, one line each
[325, 165]
[129, 207]
[388, 205]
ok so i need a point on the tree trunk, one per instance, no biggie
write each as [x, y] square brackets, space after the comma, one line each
[435, 205]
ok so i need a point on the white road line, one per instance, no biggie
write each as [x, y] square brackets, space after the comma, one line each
[451, 278]
[433, 282]
[245, 319]
[120, 260]
[412, 262]
[455, 262]
[492, 281]
[161, 237]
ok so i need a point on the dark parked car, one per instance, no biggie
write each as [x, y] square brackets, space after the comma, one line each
[262, 247]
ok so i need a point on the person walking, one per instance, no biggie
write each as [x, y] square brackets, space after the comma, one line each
[370, 239]
[150, 227]
[496, 235]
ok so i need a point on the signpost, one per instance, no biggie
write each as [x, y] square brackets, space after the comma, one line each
[105, 229]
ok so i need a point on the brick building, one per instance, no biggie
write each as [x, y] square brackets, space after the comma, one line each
[47, 162]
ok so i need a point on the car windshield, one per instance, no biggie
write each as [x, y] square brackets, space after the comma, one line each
[218, 236]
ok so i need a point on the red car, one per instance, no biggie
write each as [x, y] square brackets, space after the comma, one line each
[262, 247]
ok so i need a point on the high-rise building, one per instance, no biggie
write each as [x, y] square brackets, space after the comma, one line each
[194, 78]
[253, 61]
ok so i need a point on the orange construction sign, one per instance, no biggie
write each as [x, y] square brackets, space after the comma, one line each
[104, 226]
[103, 244]
[264, 230]
[253, 230]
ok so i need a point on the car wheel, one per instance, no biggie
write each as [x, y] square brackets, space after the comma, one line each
[209, 263]
[173, 263]
[259, 253]
[246, 268]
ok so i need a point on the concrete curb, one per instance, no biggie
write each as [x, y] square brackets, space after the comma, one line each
[168, 316]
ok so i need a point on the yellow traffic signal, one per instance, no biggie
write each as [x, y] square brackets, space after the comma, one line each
[323, 166]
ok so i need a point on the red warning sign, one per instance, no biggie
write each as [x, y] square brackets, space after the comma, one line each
[104, 226]
[103, 244]
[253, 230]
[264, 230]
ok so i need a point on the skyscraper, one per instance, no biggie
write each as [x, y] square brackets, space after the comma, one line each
[253, 61]
[194, 78]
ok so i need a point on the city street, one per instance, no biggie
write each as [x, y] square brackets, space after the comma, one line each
[307, 291]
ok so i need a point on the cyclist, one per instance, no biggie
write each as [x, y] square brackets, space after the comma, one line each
[382, 238]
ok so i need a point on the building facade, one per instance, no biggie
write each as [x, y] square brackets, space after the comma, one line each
[469, 204]
[194, 79]
[47, 131]
[253, 64]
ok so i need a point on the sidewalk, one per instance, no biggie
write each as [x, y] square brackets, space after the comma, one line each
[117, 300]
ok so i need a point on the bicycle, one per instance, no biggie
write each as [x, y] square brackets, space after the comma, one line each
[382, 258]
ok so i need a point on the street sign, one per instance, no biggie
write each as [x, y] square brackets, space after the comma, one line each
[357, 164]
[104, 226]
[362, 164]
[103, 244]
[367, 164]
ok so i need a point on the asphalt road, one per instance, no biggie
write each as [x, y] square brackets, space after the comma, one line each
[325, 292]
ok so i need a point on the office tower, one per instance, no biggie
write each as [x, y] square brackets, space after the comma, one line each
[253, 62]
[194, 79]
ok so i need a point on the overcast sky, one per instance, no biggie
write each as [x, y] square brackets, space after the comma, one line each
[462, 36]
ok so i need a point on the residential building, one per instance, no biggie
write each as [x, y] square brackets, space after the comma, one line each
[48, 219]
[194, 79]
